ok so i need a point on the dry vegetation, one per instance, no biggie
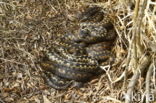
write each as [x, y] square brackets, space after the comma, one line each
[27, 28]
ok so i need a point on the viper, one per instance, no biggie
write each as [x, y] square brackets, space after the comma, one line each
[77, 58]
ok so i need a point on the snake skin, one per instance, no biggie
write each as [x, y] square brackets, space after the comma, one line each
[79, 57]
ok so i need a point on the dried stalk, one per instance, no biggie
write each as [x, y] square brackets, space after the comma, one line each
[137, 49]
[144, 64]
[148, 76]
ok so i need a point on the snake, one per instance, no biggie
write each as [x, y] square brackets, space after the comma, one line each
[77, 58]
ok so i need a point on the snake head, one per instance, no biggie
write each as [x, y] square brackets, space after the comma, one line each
[84, 33]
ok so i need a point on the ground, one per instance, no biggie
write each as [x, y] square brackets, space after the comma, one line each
[28, 27]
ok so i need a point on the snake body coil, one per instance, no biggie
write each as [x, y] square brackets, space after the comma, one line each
[78, 57]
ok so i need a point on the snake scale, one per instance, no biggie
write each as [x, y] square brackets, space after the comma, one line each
[77, 58]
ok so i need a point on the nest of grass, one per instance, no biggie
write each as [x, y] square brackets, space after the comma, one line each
[28, 27]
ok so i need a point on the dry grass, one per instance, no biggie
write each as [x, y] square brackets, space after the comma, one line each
[27, 28]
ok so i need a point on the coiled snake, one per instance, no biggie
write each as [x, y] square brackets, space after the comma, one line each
[78, 57]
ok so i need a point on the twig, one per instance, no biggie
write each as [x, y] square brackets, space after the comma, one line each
[144, 64]
[112, 99]
[12, 61]
[135, 32]
[137, 49]
[120, 78]
[148, 76]
[1, 101]
[107, 71]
